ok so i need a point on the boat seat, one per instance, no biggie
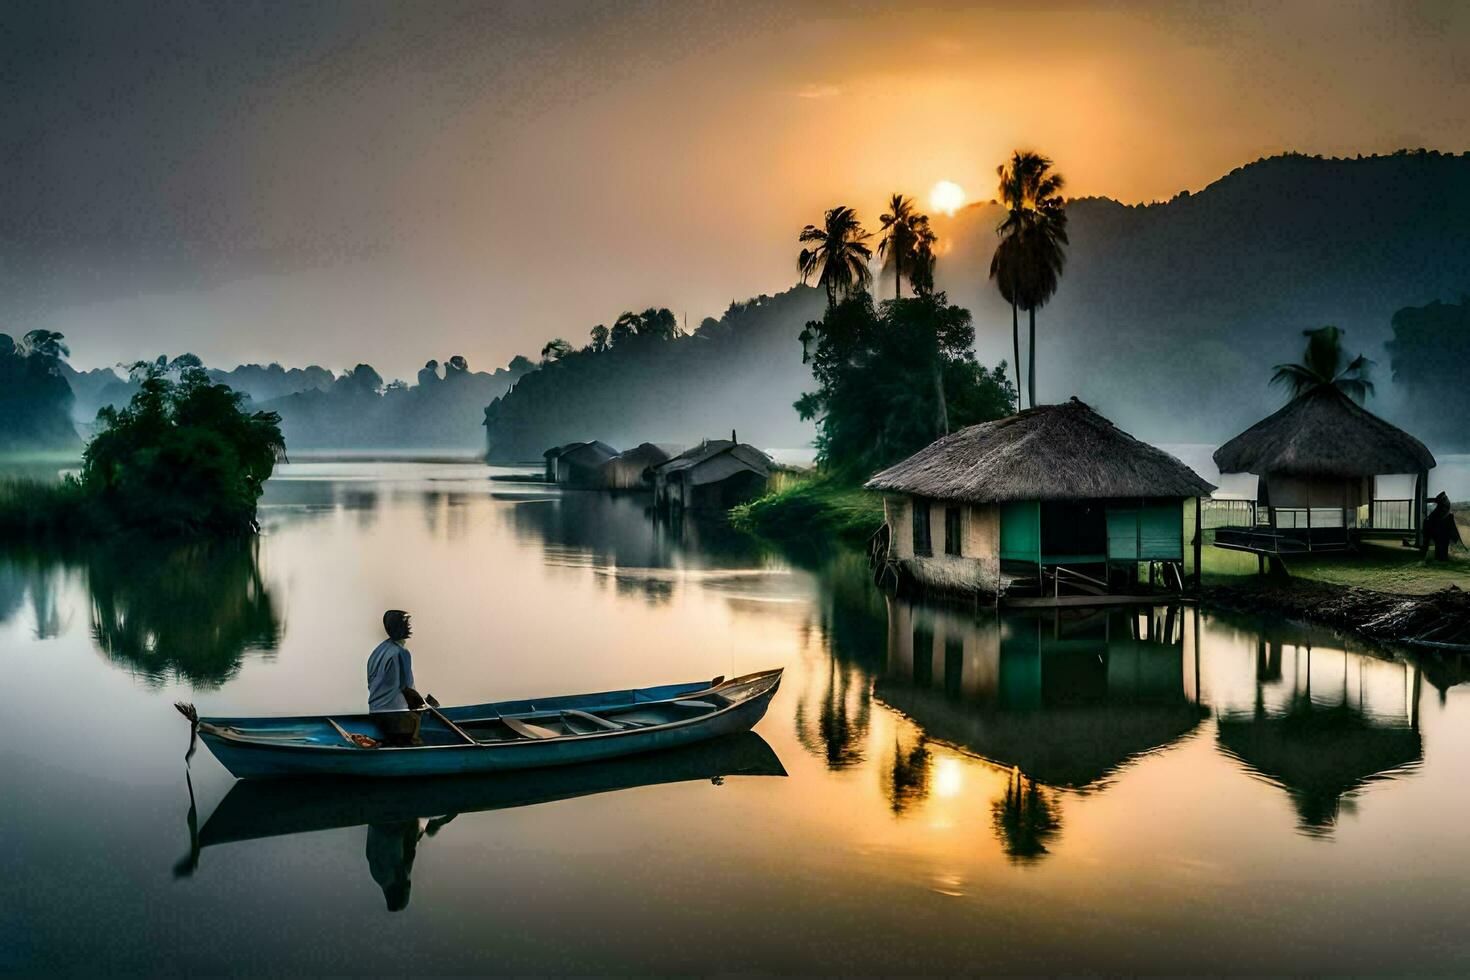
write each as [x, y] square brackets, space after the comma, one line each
[697, 705]
[527, 730]
[592, 719]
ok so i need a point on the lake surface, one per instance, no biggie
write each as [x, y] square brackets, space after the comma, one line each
[932, 790]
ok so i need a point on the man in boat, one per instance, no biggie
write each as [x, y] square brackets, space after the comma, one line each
[1440, 529]
[390, 683]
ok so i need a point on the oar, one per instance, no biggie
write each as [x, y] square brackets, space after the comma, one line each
[451, 725]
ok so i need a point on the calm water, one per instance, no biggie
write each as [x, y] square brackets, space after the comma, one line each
[932, 790]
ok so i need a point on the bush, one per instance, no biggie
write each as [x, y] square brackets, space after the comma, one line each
[815, 508]
[183, 459]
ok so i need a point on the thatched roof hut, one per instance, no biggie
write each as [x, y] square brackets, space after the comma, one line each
[1324, 433]
[1051, 452]
[1057, 492]
[1317, 458]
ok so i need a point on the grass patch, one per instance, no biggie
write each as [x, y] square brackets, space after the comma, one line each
[1379, 566]
[34, 509]
[812, 508]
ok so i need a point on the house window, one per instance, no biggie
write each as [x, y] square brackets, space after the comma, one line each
[952, 531]
[921, 527]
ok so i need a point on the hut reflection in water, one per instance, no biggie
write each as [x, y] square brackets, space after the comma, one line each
[1323, 743]
[1068, 696]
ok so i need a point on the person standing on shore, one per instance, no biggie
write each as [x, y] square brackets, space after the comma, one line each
[1440, 528]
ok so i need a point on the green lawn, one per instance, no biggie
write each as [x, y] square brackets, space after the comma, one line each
[1380, 566]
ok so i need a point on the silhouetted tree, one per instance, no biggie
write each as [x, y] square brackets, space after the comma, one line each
[555, 350]
[599, 339]
[35, 398]
[838, 257]
[184, 457]
[898, 242]
[1323, 364]
[870, 406]
[1029, 260]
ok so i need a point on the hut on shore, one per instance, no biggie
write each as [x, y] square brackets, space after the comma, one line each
[1317, 460]
[718, 473]
[576, 463]
[1054, 500]
[631, 470]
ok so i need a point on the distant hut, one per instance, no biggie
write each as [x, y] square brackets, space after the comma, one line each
[553, 454]
[1055, 499]
[718, 473]
[630, 470]
[576, 464]
[1317, 460]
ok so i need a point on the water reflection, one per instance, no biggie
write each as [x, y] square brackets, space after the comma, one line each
[28, 578]
[1026, 818]
[188, 612]
[1066, 697]
[1321, 746]
[400, 814]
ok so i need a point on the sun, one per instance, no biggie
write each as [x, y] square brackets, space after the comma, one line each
[947, 196]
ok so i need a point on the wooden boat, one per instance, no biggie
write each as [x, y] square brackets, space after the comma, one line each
[497, 736]
[261, 808]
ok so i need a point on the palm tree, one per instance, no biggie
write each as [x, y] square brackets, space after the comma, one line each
[921, 274]
[839, 258]
[1036, 226]
[1005, 269]
[899, 241]
[1323, 366]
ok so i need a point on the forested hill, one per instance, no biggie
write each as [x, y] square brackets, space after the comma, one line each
[742, 371]
[1169, 316]
[322, 410]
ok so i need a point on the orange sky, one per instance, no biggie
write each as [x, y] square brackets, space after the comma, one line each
[393, 182]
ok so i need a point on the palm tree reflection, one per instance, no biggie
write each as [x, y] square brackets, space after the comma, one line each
[1025, 818]
[842, 712]
[908, 777]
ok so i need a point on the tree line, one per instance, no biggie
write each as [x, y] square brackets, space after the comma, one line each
[892, 377]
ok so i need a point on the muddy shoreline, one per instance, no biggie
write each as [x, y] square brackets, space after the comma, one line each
[1436, 621]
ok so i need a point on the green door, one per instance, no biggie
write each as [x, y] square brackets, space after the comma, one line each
[1149, 530]
[1020, 531]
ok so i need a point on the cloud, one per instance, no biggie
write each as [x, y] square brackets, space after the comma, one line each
[815, 90]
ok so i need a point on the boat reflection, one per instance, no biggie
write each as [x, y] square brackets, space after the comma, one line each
[400, 813]
[1358, 726]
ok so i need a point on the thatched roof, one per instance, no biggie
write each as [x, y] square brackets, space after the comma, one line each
[1051, 452]
[1323, 433]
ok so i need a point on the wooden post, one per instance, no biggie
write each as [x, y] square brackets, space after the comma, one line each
[1309, 515]
[1417, 510]
[1199, 544]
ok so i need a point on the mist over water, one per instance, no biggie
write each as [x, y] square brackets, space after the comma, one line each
[1134, 790]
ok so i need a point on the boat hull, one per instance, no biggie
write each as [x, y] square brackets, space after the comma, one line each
[248, 758]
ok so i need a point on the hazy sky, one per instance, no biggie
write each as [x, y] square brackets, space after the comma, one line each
[335, 182]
